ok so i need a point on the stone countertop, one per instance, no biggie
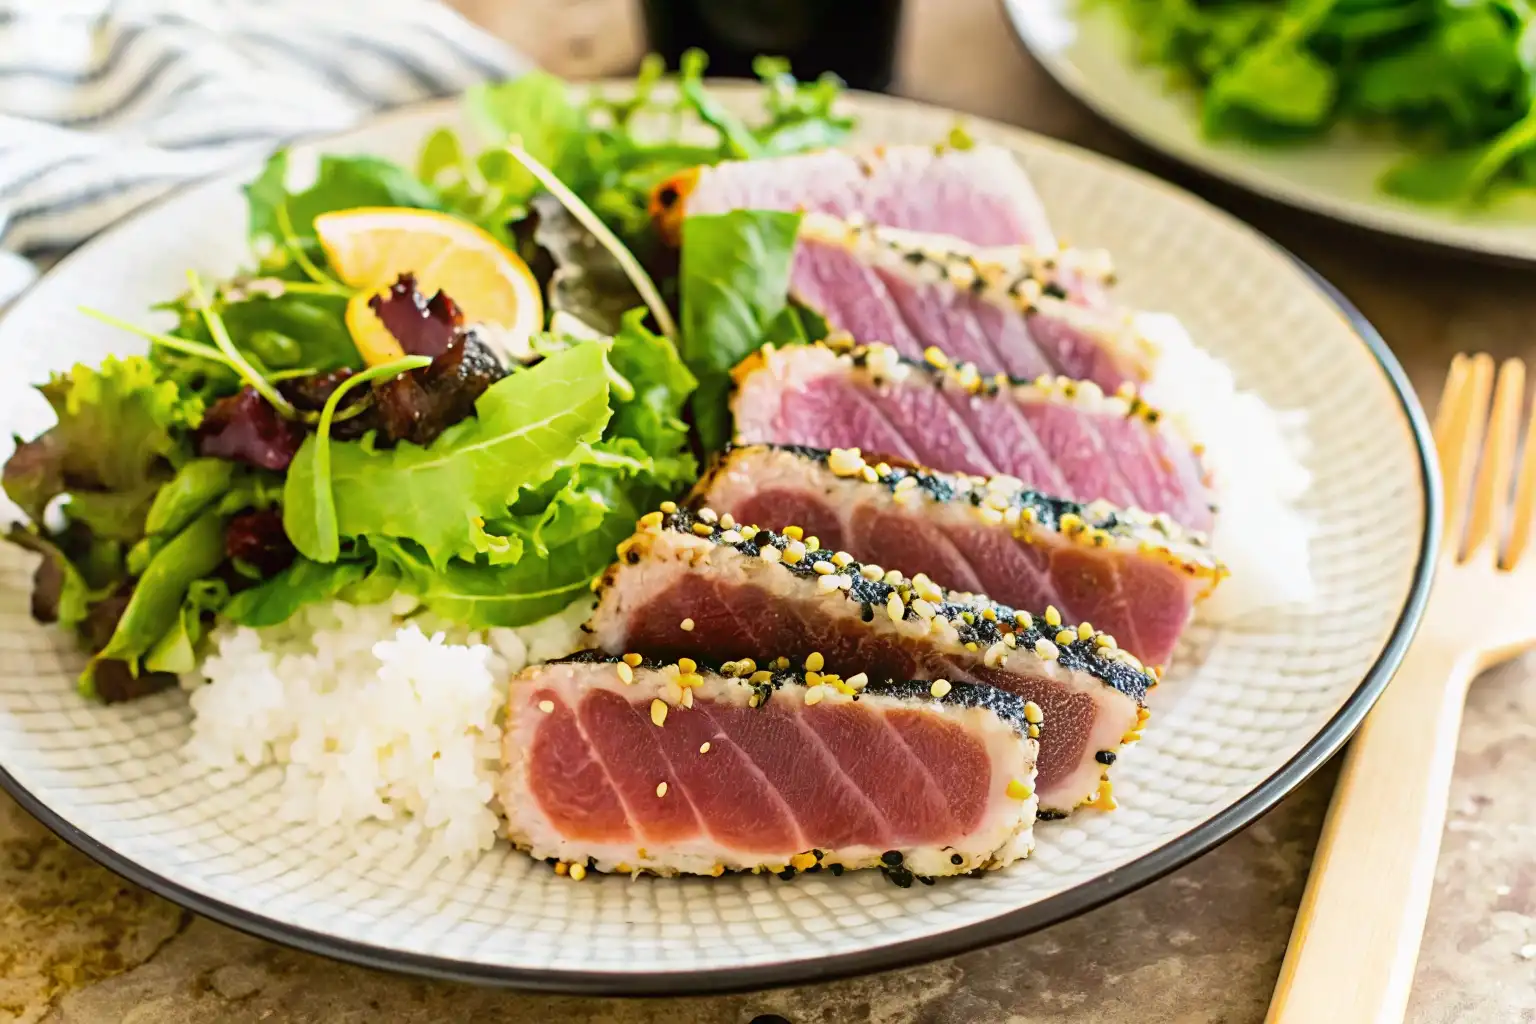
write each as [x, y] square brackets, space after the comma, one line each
[1202, 946]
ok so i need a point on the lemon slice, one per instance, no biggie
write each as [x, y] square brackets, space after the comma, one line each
[370, 246]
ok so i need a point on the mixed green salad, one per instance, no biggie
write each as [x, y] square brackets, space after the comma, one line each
[1453, 79]
[252, 461]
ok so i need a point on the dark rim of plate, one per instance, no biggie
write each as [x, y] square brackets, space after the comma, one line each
[1011, 925]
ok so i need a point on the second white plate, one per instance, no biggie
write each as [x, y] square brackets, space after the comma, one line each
[1088, 49]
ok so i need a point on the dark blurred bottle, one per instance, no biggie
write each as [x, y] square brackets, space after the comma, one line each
[853, 39]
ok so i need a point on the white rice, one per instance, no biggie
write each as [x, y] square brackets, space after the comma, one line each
[372, 716]
[1254, 454]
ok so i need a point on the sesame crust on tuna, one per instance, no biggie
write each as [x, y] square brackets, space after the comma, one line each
[1018, 276]
[973, 621]
[1005, 501]
[777, 673]
[882, 363]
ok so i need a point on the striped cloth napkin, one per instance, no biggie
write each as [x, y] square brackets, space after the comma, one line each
[106, 104]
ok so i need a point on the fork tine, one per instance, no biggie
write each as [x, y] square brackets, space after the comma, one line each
[1524, 510]
[1455, 385]
[1491, 499]
[1460, 441]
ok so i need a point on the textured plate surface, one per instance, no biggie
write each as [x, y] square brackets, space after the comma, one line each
[1087, 48]
[1240, 723]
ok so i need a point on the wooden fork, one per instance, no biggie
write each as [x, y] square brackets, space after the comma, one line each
[1357, 933]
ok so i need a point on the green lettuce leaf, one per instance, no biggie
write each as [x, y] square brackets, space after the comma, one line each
[526, 427]
[734, 282]
[661, 386]
[119, 432]
[304, 582]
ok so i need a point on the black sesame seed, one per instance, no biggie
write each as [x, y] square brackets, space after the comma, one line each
[900, 877]
[836, 869]
[633, 558]
[1055, 291]
[817, 854]
[1105, 757]
[925, 879]
[1050, 815]
[955, 858]
[891, 857]
[787, 874]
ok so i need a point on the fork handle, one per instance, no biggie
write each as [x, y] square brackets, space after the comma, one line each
[1357, 932]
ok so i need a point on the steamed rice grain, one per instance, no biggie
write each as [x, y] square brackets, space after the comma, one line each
[371, 717]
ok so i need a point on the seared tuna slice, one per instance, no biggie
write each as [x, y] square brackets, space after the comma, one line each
[981, 194]
[631, 764]
[701, 586]
[1059, 437]
[1005, 311]
[1134, 576]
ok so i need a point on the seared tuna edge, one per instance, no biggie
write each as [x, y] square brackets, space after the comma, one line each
[1004, 500]
[974, 621]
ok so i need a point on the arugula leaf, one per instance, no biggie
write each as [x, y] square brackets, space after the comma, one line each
[304, 582]
[734, 282]
[526, 426]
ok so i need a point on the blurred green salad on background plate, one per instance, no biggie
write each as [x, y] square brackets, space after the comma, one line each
[1412, 117]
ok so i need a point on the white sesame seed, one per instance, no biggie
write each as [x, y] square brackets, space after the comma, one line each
[940, 687]
[704, 747]
[825, 568]
[727, 522]
[845, 461]
[1046, 649]
[829, 584]
[547, 706]
[578, 872]
[895, 607]
[1032, 713]
[671, 692]
[686, 625]
[871, 572]
[858, 680]
[814, 662]
[661, 789]
[813, 694]
[1052, 616]
[658, 712]
[769, 553]
[626, 674]
[708, 515]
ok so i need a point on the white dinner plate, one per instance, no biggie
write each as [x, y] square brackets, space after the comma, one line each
[1085, 45]
[1233, 728]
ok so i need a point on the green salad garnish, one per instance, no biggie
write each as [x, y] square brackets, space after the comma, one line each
[252, 461]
